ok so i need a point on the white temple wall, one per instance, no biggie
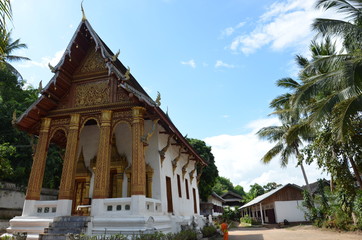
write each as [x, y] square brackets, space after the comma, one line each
[123, 134]
[152, 157]
[181, 206]
[89, 141]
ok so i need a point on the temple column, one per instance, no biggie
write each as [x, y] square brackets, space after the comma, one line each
[66, 189]
[101, 181]
[138, 177]
[39, 161]
[138, 174]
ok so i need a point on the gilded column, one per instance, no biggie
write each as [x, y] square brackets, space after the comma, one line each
[39, 160]
[101, 181]
[66, 189]
[138, 177]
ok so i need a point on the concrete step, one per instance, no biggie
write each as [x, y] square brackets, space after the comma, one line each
[47, 236]
[72, 219]
[64, 230]
[63, 224]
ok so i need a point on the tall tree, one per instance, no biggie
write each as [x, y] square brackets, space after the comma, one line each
[290, 135]
[222, 185]
[210, 172]
[342, 80]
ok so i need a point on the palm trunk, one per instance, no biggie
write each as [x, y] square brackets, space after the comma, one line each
[305, 178]
[299, 156]
[356, 172]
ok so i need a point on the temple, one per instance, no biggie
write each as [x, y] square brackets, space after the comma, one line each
[126, 167]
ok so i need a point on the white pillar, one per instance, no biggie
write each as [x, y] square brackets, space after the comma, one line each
[261, 214]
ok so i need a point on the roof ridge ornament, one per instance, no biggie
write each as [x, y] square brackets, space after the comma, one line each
[82, 9]
[115, 56]
[52, 69]
[126, 75]
[158, 99]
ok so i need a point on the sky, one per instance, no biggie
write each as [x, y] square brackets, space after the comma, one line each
[215, 64]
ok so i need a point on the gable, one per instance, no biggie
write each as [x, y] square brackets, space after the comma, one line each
[89, 78]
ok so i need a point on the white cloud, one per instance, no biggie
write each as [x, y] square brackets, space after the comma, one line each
[220, 63]
[238, 158]
[191, 63]
[44, 61]
[230, 30]
[284, 24]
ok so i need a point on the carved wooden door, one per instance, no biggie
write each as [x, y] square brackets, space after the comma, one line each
[169, 195]
[79, 194]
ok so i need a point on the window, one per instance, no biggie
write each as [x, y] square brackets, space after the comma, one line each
[187, 189]
[179, 186]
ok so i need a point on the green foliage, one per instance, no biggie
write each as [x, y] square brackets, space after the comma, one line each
[16, 146]
[210, 172]
[357, 208]
[255, 190]
[239, 190]
[230, 214]
[246, 219]
[208, 231]
[222, 185]
[271, 186]
[311, 213]
[5, 152]
[183, 235]
[15, 98]
[53, 168]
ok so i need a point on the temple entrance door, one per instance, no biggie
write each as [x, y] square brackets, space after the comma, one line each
[80, 197]
[169, 195]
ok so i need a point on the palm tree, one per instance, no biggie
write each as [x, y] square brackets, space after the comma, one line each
[8, 46]
[290, 135]
[5, 12]
[334, 79]
[343, 79]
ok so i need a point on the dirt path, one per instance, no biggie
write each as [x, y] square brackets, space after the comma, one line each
[293, 233]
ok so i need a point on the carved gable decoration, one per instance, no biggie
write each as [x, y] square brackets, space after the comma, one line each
[93, 62]
[122, 96]
[94, 93]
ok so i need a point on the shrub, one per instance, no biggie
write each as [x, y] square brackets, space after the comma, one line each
[208, 231]
[246, 219]
[149, 236]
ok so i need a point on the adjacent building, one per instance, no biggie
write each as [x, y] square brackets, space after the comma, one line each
[282, 203]
[213, 206]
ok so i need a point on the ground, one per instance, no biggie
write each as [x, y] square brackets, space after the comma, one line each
[292, 233]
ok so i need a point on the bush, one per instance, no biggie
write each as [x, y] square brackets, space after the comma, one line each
[183, 235]
[150, 236]
[208, 231]
[246, 219]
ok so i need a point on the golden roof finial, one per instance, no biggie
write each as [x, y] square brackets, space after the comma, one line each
[83, 14]
[158, 99]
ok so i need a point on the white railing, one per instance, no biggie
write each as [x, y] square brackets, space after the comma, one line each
[119, 205]
[123, 206]
[153, 205]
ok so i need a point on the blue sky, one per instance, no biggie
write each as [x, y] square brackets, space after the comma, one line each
[215, 63]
